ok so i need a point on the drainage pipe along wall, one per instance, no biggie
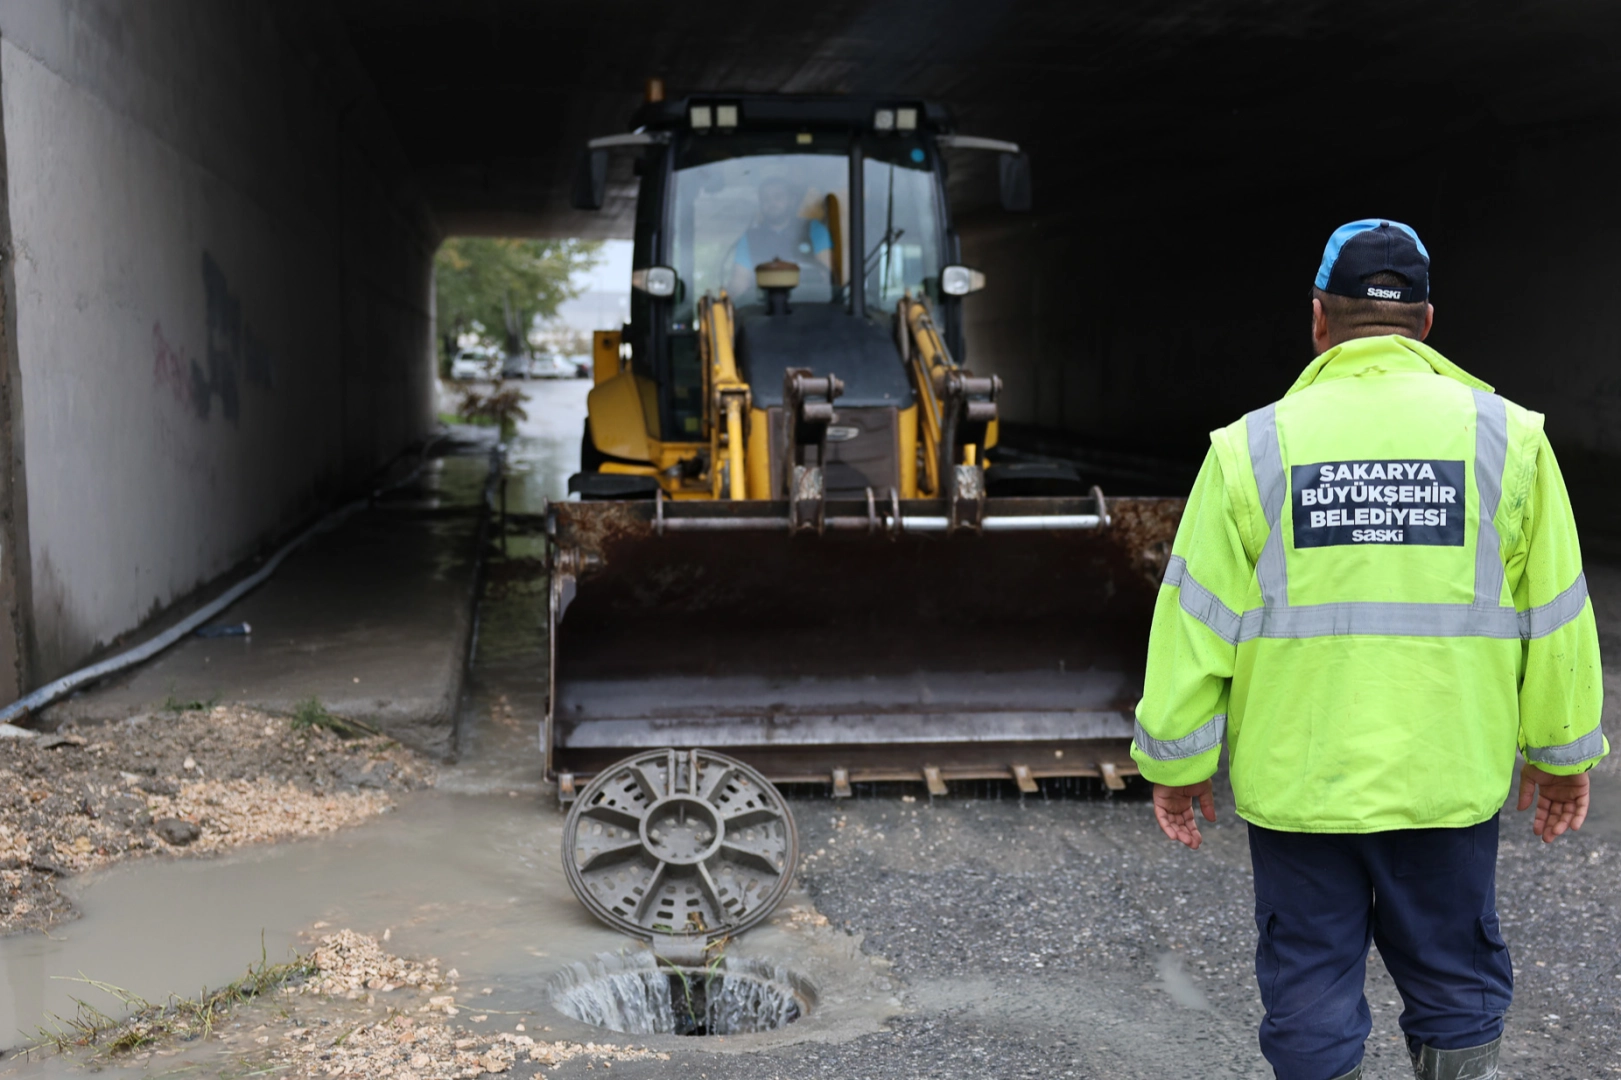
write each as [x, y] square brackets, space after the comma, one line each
[219, 305]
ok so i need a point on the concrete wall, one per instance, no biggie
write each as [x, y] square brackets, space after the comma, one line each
[1141, 311]
[221, 285]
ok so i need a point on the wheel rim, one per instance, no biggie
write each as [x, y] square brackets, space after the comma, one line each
[680, 843]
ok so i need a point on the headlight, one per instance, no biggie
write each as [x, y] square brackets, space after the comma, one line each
[906, 118]
[702, 116]
[726, 116]
[883, 120]
[961, 280]
[656, 281]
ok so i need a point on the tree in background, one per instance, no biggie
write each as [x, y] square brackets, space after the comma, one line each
[496, 287]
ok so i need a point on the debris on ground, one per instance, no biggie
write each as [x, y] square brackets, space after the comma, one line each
[347, 964]
[413, 1039]
[307, 1027]
[192, 781]
[799, 917]
[406, 1047]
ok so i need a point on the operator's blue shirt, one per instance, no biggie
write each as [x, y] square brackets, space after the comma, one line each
[817, 241]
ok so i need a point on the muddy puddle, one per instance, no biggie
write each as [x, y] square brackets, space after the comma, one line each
[469, 873]
[472, 880]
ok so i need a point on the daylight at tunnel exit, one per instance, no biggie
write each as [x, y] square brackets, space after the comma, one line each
[761, 542]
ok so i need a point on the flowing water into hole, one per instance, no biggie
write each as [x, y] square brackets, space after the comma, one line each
[635, 995]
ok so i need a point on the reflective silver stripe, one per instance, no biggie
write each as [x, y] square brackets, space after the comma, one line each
[1486, 617]
[1379, 618]
[1365, 618]
[1272, 572]
[1201, 603]
[1206, 736]
[1266, 459]
[1491, 450]
[1583, 749]
[1544, 620]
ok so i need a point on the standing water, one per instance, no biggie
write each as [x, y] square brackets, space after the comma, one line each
[470, 873]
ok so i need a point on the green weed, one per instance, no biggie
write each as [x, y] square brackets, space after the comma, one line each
[477, 421]
[147, 1022]
[172, 704]
[310, 713]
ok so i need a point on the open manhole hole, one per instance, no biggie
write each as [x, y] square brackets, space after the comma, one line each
[637, 995]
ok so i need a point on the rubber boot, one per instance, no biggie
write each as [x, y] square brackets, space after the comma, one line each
[1354, 1074]
[1473, 1063]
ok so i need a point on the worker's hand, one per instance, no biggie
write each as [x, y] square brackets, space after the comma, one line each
[1173, 806]
[1561, 801]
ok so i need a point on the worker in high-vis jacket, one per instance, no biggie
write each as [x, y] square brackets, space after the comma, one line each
[1376, 601]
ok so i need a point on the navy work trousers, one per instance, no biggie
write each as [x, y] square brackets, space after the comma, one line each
[1426, 897]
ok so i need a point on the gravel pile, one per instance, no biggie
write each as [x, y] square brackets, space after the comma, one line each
[350, 1008]
[414, 1039]
[406, 1047]
[191, 781]
[350, 964]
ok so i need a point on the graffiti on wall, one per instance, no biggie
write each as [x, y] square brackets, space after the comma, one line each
[169, 368]
[234, 354]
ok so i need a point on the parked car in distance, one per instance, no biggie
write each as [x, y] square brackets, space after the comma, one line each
[552, 366]
[472, 364]
[516, 366]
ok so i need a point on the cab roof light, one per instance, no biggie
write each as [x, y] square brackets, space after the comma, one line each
[906, 118]
[701, 116]
[726, 114]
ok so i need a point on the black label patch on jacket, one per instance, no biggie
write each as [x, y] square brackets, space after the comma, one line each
[1394, 501]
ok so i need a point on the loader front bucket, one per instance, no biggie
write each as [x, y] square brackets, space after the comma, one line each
[864, 652]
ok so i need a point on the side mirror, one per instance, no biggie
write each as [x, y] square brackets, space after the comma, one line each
[960, 280]
[1015, 176]
[591, 180]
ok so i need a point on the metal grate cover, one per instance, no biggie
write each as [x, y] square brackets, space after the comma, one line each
[680, 844]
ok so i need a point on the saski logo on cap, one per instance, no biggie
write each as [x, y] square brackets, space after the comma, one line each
[1361, 249]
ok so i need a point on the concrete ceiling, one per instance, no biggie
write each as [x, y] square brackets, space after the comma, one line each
[1220, 100]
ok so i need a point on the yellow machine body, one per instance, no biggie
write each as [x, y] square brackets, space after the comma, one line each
[793, 542]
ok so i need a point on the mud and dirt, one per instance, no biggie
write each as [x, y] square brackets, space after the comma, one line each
[348, 1007]
[975, 935]
[178, 782]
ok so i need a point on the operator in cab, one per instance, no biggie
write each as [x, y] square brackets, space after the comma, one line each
[1376, 601]
[781, 233]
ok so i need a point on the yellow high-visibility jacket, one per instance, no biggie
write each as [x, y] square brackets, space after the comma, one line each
[1376, 596]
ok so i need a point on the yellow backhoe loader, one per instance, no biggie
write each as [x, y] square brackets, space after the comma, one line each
[789, 543]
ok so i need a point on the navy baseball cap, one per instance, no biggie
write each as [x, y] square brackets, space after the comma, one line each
[1363, 248]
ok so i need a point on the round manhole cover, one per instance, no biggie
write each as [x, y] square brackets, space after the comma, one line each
[680, 843]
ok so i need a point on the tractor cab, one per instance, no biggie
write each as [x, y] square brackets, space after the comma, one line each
[816, 220]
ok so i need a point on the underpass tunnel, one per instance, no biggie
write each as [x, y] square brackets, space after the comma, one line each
[1190, 160]
[220, 222]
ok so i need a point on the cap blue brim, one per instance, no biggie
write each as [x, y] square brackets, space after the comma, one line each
[1331, 253]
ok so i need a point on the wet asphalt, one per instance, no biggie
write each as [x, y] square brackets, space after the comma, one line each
[1061, 935]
